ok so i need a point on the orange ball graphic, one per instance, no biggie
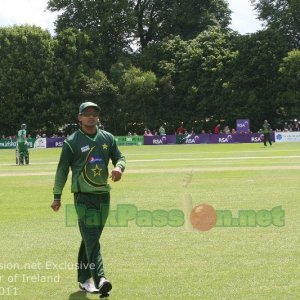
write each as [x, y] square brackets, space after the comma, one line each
[203, 217]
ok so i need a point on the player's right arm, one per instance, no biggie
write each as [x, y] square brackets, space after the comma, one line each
[61, 175]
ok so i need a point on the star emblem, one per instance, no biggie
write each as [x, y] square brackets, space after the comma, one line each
[97, 171]
[105, 147]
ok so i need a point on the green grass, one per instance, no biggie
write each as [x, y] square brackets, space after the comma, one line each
[160, 262]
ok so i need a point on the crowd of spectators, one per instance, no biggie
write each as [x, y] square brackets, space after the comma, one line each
[181, 130]
[216, 129]
[44, 135]
[291, 126]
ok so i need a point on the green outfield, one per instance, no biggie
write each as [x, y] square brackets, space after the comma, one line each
[147, 260]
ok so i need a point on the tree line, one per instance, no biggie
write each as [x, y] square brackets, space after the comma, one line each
[148, 63]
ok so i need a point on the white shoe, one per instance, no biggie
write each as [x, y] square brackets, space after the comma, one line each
[88, 286]
[104, 286]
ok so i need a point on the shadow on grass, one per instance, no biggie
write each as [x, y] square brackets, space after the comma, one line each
[79, 295]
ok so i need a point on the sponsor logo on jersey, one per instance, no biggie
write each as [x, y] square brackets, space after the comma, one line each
[95, 160]
[85, 148]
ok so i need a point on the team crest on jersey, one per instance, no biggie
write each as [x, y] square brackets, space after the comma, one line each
[85, 148]
[95, 170]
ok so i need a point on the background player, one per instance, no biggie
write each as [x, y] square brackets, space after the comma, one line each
[22, 146]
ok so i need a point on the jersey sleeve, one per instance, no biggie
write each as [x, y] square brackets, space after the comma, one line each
[62, 170]
[117, 158]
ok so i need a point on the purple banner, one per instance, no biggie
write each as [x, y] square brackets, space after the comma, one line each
[55, 142]
[188, 139]
[220, 138]
[242, 125]
[206, 139]
[159, 139]
[237, 138]
[191, 139]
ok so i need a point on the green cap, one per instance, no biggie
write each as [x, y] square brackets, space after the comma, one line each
[85, 105]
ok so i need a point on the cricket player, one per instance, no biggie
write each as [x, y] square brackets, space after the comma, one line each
[266, 129]
[87, 152]
[22, 146]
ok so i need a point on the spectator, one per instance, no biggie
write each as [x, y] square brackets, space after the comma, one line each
[296, 126]
[226, 130]
[147, 132]
[217, 129]
[162, 130]
[180, 129]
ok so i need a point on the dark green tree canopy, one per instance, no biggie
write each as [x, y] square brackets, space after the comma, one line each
[157, 19]
[108, 23]
[116, 24]
[282, 15]
[187, 65]
[26, 76]
[289, 99]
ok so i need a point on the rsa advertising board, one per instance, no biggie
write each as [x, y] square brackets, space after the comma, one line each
[205, 139]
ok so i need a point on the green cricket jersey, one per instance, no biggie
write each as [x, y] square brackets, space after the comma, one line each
[266, 128]
[88, 157]
[22, 136]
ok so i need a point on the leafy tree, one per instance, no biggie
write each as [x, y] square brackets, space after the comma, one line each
[139, 96]
[203, 74]
[192, 76]
[26, 77]
[106, 22]
[78, 80]
[290, 75]
[115, 25]
[281, 15]
[100, 90]
[74, 62]
[157, 19]
[255, 82]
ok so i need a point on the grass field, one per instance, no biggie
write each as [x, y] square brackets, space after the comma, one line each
[159, 262]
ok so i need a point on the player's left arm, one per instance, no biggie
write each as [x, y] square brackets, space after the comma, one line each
[118, 160]
[24, 133]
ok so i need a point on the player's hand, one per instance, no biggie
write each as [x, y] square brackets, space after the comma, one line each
[116, 174]
[55, 205]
